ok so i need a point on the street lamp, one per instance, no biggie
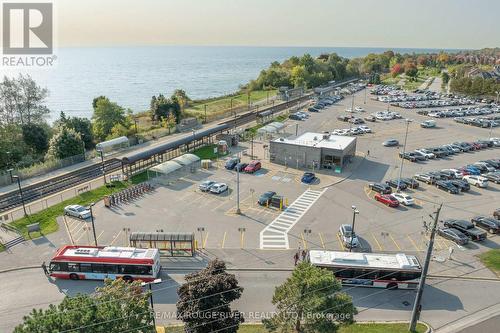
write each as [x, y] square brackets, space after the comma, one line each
[200, 230]
[12, 178]
[103, 169]
[194, 138]
[408, 121]
[92, 220]
[307, 231]
[238, 211]
[354, 213]
[155, 281]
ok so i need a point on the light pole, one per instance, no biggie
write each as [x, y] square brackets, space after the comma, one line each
[92, 220]
[200, 230]
[103, 169]
[354, 213]
[194, 138]
[242, 236]
[307, 232]
[408, 121]
[155, 281]
[238, 211]
[365, 95]
[20, 189]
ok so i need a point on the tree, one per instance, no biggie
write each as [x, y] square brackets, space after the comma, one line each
[161, 107]
[204, 300]
[97, 99]
[106, 115]
[446, 77]
[168, 122]
[116, 307]
[83, 126]
[22, 101]
[299, 76]
[410, 69]
[396, 70]
[310, 300]
[36, 137]
[65, 143]
[182, 97]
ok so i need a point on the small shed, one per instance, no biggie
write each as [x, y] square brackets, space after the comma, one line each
[189, 162]
[165, 172]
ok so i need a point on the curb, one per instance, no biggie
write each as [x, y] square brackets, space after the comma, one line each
[431, 276]
[470, 320]
[13, 269]
[234, 269]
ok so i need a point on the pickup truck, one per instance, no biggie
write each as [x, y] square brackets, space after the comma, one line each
[467, 228]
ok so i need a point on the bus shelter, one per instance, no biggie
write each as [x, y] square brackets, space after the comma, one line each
[165, 172]
[169, 244]
[189, 162]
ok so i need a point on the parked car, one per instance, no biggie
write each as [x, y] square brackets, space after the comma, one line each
[467, 228]
[426, 152]
[449, 174]
[493, 163]
[206, 185]
[395, 182]
[462, 185]
[447, 186]
[295, 116]
[410, 183]
[428, 124]
[77, 211]
[252, 167]
[371, 118]
[487, 223]
[240, 166]
[218, 188]
[403, 198]
[265, 198]
[484, 167]
[387, 199]
[390, 143]
[308, 178]
[347, 236]
[468, 170]
[380, 188]
[455, 173]
[478, 181]
[493, 176]
[496, 214]
[231, 163]
[425, 177]
[411, 156]
[454, 235]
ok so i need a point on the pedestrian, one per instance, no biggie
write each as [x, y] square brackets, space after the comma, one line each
[45, 270]
[450, 251]
[304, 255]
[296, 258]
[368, 152]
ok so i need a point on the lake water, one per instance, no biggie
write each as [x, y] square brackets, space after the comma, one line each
[131, 75]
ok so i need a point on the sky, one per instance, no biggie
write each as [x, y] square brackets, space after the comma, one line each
[461, 24]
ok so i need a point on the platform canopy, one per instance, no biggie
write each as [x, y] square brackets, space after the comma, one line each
[166, 168]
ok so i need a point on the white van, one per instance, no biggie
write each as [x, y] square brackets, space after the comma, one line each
[428, 124]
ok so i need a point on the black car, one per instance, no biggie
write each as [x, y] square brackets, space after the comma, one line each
[438, 151]
[293, 116]
[447, 186]
[394, 183]
[486, 143]
[462, 185]
[464, 146]
[493, 176]
[411, 183]
[493, 163]
[448, 174]
[467, 228]
[240, 166]
[380, 188]
[486, 223]
[438, 175]
[454, 235]
[312, 109]
[265, 198]
[231, 163]
[480, 167]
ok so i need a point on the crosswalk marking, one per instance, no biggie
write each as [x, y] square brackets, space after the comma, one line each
[275, 235]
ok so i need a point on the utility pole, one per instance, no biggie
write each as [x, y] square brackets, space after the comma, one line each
[354, 213]
[417, 307]
[238, 211]
[408, 121]
[18, 180]
[92, 220]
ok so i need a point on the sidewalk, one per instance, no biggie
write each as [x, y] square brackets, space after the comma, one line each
[471, 320]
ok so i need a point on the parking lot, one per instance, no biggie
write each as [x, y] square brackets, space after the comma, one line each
[183, 207]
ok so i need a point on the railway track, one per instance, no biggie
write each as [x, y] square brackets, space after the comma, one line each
[45, 188]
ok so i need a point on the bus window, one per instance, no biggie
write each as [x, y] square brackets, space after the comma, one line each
[58, 266]
[73, 267]
[98, 268]
[84, 267]
[345, 273]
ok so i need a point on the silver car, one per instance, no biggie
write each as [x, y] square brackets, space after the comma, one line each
[77, 211]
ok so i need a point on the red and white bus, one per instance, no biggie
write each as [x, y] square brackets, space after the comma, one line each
[381, 270]
[99, 263]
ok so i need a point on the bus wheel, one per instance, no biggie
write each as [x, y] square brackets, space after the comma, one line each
[74, 276]
[127, 278]
[392, 286]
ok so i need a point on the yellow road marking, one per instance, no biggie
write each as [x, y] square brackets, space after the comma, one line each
[220, 205]
[413, 242]
[376, 241]
[223, 239]
[394, 241]
[115, 238]
[340, 241]
[321, 240]
[303, 240]
[204, 243]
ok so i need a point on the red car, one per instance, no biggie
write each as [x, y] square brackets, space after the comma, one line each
[252, 167]
[386, 199]
[475, 145]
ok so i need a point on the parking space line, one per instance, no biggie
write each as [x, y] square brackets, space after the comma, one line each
[100, 235]
[413, 242]
[394, 241]
[303, 240]
[116, 237]
[204, 242]
[223, 240]
[340, 241]
[376, 241]
[321, 240]
[220, 205]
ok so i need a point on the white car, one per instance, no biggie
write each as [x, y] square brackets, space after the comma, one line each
[403, 198]
[206, 185]
[218, 188]
[478, 181]
[426, 153]
[345, 233]
[359, 109]
[348, 110]
[365, 129]
[455, 172]
[77, 211]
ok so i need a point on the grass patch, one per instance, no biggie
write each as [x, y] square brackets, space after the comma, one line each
[140, 177]
[47, 217]
[491, 259]
[354, 328]
[207, 153]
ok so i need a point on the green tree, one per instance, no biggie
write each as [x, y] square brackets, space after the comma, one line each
[97, 99]
[116, 307]
[65, 143]
[83, 126]
[205, 297]
[445, 77]
[161, 107]
[36, 136]
[299, 76]
[310, 300]
[168, 122]
[106, 115]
